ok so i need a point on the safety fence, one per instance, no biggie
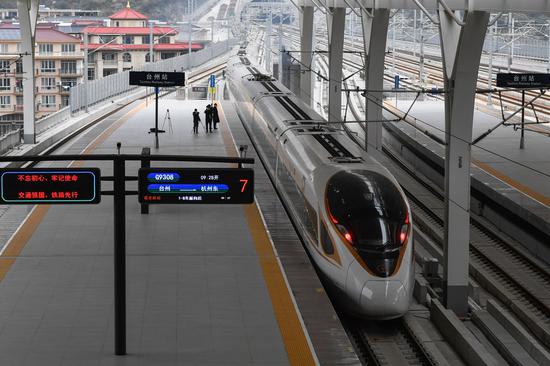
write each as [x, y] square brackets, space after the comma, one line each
[7, 127]
[9, 140]
[94, 92]
[52, 120]
[515, 36]
[98, 92]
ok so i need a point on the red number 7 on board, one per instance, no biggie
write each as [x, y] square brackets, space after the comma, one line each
[244, 182]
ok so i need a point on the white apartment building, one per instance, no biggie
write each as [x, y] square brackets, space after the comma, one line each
[58, 67]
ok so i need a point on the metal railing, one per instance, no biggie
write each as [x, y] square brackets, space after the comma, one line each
[110, 62]
[101, 91]
[52, 120]
[9, 140]
[7, 127]
[71, 71]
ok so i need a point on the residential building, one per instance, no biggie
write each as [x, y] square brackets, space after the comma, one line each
[45, 12]
[126, 42]
[58, 67]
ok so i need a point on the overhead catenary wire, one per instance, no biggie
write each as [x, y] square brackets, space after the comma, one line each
[426, 12]
[447, 134]
[297, 6]
[352, 8]
[399, 118]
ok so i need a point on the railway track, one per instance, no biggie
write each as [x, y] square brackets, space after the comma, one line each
[502, 269]
[390, 342]
[206, 73]
[540, 106]
[496, 263]
[403, 63]
[387, 342]
[381, 342]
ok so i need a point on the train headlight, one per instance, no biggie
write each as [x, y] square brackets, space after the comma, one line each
[345, 233]
[403, 233]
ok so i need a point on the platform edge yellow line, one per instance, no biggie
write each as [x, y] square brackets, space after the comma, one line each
[296, 341]
[20, 238]
[513, 183]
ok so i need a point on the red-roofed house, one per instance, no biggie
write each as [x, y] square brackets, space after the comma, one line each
[125, 44]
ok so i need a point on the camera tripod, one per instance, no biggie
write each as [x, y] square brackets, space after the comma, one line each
[167, 118]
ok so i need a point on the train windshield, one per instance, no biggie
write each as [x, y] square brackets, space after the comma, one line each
[370, 212]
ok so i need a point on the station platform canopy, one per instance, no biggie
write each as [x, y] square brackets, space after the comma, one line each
[480, 5]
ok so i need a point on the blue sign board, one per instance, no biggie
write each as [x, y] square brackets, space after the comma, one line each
[396, 81]
[212, 81]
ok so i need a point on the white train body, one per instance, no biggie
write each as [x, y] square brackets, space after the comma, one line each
[355, 219]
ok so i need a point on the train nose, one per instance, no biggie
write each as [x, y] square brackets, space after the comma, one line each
[384, 299]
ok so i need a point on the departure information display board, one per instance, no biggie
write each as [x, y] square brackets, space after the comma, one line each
[196, 185]
[50, 186]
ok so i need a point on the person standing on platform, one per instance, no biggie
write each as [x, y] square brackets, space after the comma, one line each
[196, 120]
[215, 116]
[208, 118]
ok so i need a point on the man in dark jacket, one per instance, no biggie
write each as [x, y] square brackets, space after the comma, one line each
[215, 116]
[208, 118]
[196, 120]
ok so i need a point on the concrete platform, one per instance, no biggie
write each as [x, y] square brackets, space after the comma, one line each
[205, 286]
[500, 150]
[516, 179]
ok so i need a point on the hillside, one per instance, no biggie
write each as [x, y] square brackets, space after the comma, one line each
[171, 10]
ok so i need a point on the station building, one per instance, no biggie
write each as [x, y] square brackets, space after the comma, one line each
[125, 43]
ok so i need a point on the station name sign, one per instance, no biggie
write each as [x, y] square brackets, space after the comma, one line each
[157, 79]
[523, 80]
[196, 185]
[50, 186]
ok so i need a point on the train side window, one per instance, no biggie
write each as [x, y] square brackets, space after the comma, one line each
[326, 242]
[310, 219]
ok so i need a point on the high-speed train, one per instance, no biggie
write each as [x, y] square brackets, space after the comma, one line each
[354, 217]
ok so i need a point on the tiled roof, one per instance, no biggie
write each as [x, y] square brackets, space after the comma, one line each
[128, 13]
[136, 47]
[131, 30]
[42, 35]
[53, 35]
[9, 25]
